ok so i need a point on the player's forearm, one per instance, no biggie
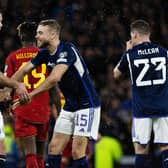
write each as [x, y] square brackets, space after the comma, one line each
[7, 81]
[116, 73]
[50, 81]
[23, 71]
[18, 76]
[46, 85]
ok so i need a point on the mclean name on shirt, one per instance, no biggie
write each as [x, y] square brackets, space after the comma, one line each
[148, 51]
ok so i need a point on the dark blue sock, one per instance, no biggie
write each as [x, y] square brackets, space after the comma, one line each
[3, 161]
[53, 161]
[165, 159]
[80, 163]
[142, 161]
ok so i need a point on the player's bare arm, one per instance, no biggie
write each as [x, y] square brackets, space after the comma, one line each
[116, 72]
[18, 75]
[50, 81]
[5, 81]
[54, 77]
[19, 87]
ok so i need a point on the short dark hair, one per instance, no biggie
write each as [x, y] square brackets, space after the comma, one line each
[27, 31]
[52, 23]
[141, 26]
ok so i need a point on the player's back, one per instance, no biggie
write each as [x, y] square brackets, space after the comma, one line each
[148, 68]
[38, 109]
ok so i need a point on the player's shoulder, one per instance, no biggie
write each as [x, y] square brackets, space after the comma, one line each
[66, 49]
[19, 53]
[24, 49]
[11, 55]
[160, 47]
[146, 47]
[151, 45]
[68, 46]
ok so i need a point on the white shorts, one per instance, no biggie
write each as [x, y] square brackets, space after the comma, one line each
[142, 128]
[84, 122]
[2, 134]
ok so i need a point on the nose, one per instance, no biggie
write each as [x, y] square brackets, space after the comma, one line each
[37, 36]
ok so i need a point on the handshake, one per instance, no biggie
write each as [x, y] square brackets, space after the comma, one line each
[6, 102]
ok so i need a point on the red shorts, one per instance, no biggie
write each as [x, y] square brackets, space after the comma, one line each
[25, 128]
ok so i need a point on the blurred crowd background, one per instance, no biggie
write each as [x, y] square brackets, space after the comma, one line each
[99, 29]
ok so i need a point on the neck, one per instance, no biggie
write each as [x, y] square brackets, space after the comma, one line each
[142, 40]
[53, 46]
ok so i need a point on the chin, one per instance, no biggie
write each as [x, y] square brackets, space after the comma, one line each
[42, 45]
[39, 45]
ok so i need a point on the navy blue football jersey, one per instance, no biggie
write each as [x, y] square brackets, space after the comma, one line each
[148, 67]
[75, 84]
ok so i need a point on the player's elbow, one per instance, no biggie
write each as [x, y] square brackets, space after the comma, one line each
[116, 73]
[23, 72]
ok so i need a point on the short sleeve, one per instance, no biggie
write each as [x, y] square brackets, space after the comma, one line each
[123, 64]
[67, 55]
[40, 58]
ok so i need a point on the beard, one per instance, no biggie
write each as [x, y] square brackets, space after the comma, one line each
[43, 44]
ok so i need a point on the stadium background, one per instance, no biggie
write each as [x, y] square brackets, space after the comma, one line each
[99, 29]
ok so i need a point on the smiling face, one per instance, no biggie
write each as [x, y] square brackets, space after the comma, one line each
[43, 36]
[1, 21]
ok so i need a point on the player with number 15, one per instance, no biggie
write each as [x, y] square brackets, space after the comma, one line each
[80, 115]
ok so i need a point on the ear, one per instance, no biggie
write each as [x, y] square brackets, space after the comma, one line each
[53, 34]
[136, 35]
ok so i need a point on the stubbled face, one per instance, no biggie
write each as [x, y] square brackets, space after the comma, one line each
[43, 36]
[1, 21]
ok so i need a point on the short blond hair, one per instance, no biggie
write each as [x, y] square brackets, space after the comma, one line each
[52, 23]
[141, 26]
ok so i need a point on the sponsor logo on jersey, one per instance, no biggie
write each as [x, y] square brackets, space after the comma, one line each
[51, 64]
[62, 57]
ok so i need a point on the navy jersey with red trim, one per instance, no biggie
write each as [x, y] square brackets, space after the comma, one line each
[148, 67]
[75, 84]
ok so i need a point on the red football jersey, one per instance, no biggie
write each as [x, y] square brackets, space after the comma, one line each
[38, 109]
